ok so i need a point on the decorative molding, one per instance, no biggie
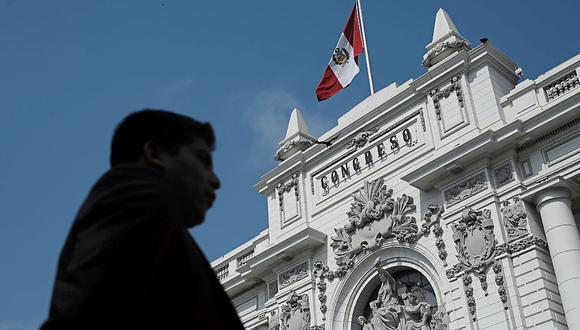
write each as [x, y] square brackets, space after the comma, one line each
[437, 94]
[562, 86]
[442, 47]
[300, 144]
[514, 219]
[503, 174]
[361, 138]
[465, 189]
[282, 188]
[295, 314]
[293, 274]
[520, 245]
[550, 134]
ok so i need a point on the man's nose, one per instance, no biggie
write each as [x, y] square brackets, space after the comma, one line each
[215, 181]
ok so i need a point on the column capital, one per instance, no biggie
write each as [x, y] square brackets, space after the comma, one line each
[552, 194]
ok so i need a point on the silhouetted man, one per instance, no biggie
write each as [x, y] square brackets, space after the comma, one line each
[129, 261]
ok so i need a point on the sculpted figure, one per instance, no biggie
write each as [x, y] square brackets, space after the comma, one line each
[274, 321]
[295, 312]
[417, 315]
[386, 308]
[364, 326]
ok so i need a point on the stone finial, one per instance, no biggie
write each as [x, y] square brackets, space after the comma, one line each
[446, 40]
[297, 138]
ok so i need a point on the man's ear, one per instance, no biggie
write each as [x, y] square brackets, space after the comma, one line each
[153, 155]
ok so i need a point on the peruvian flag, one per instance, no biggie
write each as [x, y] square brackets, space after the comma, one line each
[343, 65]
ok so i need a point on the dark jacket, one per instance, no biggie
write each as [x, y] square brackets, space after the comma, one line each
[130, 263]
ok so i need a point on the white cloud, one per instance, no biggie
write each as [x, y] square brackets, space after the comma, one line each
[266, 113]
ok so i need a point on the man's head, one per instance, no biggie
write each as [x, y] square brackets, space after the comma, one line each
[361, 320]
[180, 147]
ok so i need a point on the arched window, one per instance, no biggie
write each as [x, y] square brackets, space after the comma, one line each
[408, 281]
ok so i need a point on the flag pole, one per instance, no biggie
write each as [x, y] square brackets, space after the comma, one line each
[362, 27]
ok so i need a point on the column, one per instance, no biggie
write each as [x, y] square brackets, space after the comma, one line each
[564, 242]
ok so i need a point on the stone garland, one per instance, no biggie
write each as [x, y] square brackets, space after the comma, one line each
[469, 295]
[499, 281]
[435, 211]
[437, 94]
[286, 187]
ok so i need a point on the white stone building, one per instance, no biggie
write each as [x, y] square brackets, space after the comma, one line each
[463, 184]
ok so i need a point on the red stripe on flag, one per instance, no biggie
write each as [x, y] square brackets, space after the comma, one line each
[352, 32]
[328, 85]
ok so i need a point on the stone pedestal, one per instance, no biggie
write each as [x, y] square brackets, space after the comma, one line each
[564, 243]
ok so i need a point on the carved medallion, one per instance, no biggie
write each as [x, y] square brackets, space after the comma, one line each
[474, 238]
[374, 217]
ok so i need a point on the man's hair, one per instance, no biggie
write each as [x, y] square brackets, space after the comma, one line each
[167, 129]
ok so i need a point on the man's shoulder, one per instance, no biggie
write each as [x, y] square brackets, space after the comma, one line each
[136, 188]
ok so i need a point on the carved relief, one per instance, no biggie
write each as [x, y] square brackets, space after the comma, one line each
[514, 219]
[387, 313]
[295, 313]
[465, 189]
[374, 217]
[361, 138]
[503, 174]
[287, 187]
[293, 274]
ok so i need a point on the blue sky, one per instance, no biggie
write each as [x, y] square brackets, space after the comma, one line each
[70, 70]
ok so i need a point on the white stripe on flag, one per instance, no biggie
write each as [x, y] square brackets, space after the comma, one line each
[345, 72]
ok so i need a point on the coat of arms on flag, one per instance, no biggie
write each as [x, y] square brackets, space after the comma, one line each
[341, 69]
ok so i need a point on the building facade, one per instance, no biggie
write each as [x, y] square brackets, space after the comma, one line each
[451, 201]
